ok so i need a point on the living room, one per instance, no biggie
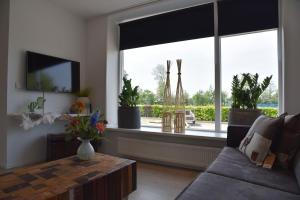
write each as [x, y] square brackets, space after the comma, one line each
[210, 41]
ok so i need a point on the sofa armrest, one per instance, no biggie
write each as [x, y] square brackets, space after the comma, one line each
[235, 134]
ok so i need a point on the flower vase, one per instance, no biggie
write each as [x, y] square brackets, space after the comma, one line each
[85, 151]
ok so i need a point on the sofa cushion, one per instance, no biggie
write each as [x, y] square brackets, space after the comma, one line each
[234, 164]
[211, 187]
[258, 140]
[297, 167]
[289, 141]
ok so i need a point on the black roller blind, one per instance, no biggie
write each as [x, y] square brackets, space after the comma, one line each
[241, 16]
[186, 24]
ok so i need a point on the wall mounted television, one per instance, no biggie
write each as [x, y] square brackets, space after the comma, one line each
[51, 74]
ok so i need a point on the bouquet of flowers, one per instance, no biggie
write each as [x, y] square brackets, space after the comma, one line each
[86, 127]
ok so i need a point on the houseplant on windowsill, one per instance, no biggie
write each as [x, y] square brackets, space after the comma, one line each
[128, 112]
[245, 95]
[85, 129]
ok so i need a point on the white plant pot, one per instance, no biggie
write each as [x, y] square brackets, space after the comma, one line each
[85, 150]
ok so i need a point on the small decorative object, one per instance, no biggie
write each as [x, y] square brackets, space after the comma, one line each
[167, 106]
[179, 121]
[32, 106]
[128, 113]
[86, 129]
[83, 96]
[38, 104]
[30, 120]
[245, 94]
[77, 107]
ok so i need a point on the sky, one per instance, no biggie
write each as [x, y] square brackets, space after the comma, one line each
[248, 53]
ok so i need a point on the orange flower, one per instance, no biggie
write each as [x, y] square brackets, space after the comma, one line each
[100, 127]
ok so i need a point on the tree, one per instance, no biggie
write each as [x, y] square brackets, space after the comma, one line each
[208, 98]
[202, 98]
[187, 99]
[270, 96]
[225, 100]
[147, 97]
[159, 73]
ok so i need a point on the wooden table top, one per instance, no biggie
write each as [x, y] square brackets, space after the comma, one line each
[51, 179]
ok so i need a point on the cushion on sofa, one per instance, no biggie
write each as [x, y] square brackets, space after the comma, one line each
[297, 167]
[234, 164]
[289, 141]
[215, 187]
[258, 140]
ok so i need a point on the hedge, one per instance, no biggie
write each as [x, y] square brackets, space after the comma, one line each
[202, 113]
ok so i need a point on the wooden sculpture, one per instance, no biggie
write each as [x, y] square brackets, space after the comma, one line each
[167, 104]
[179, 121]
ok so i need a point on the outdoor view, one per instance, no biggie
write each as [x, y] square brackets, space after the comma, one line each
[249, 53]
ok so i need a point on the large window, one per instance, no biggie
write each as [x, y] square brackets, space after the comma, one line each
[250, 53]
[244, 53]
[146, 67]
[213, 48]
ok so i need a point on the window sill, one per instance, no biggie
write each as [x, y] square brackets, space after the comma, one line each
[199, 134]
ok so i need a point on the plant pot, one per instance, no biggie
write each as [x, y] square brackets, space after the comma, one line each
[243, 117]
[129, 117]
[85, 151]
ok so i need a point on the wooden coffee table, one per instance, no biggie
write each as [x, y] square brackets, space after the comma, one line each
[102, 178]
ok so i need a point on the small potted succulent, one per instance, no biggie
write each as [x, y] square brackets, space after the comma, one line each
[245, 95]
[128, 112]
[85, 129]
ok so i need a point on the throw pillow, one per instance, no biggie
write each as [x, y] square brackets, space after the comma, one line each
[297, 167]
[289, 141]
[277, 137]
[258, 140]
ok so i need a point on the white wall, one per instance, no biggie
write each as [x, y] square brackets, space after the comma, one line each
[96, 61]
[39, 26]
[4, 29]
[291, 35]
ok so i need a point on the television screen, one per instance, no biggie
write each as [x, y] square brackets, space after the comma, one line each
[51, 74]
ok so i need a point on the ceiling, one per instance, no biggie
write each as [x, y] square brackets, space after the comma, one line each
[91, 8]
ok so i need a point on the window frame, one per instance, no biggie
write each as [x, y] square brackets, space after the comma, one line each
[218, 68]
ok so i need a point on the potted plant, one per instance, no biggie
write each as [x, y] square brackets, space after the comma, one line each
[128, 112]
[83, 97]
[85, 129]
[245, 95]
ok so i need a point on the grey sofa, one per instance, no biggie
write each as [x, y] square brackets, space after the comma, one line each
[233, 177]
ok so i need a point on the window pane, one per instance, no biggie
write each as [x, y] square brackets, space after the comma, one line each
[146, 67]
[250, 53]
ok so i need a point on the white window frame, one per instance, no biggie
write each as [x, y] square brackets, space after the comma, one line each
[218, 70]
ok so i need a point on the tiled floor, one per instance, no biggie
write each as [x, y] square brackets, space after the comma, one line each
[161, 183]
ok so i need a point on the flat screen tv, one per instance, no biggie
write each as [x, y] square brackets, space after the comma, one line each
[51, 74]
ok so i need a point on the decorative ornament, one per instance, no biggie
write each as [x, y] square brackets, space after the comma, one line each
[38, 104]
[167, 103]
[30, 120]
[179, 121]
